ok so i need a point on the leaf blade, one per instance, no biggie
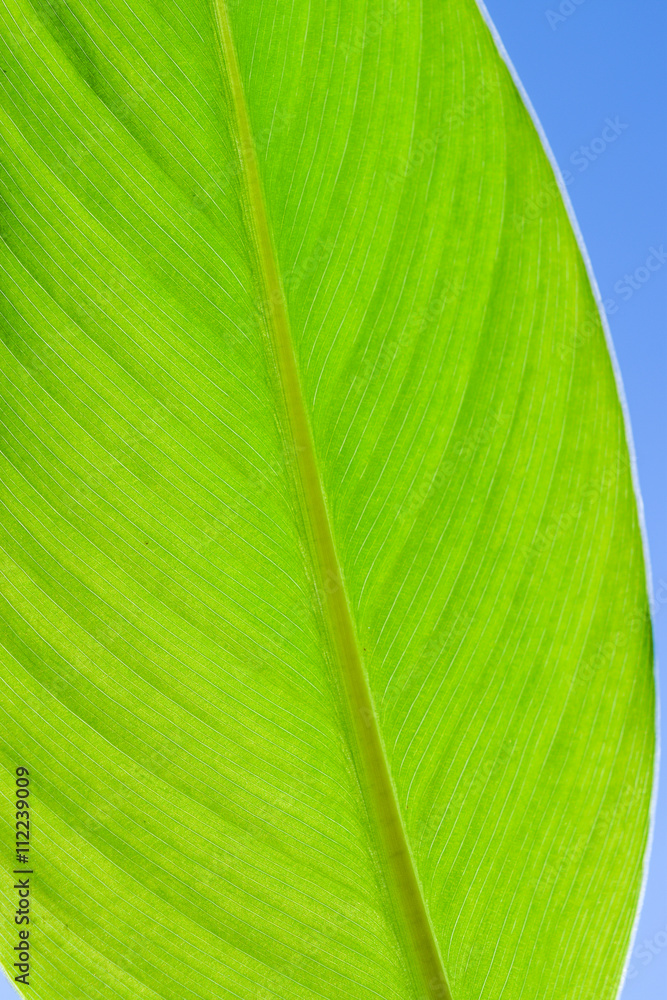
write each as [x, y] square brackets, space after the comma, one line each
[180, 437]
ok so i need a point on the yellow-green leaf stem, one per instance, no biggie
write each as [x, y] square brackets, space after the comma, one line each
[374, 776]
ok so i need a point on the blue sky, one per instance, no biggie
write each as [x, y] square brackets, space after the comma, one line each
[594, 72]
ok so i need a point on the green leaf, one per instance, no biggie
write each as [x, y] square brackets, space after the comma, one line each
[325, 629]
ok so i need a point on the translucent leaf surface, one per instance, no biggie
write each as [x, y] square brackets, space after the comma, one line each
[324, 622]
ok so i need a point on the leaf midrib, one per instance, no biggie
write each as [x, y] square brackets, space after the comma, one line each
[372, 766]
